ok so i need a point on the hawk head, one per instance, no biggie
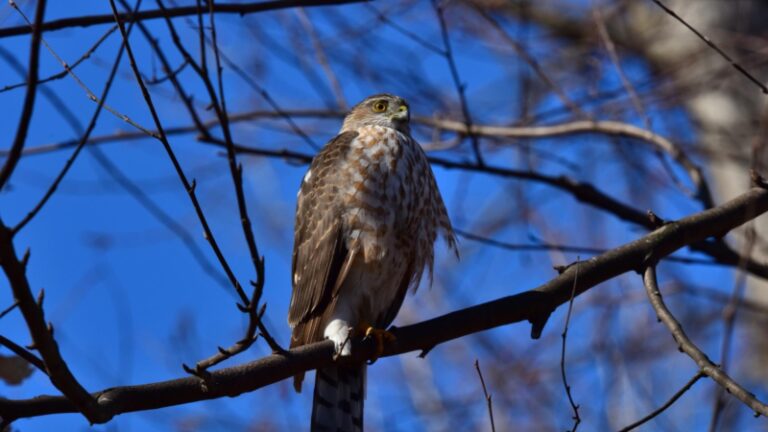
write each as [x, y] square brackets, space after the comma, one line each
[379, 110]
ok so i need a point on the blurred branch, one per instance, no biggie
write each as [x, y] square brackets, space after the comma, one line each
[546, 247]
[521, 52]
[729, 320]
[460, 86]
[688, 347]
[534, 305]
[322, 58]
[606, 127]
[224, 8]
[712, 45]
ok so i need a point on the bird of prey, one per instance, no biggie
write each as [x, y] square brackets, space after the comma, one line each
[367, 216]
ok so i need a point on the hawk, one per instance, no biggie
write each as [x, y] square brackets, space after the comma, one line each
[367, 216]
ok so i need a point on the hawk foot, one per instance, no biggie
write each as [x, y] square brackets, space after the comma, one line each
[379, 335]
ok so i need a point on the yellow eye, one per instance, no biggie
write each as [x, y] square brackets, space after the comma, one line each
[379, 106]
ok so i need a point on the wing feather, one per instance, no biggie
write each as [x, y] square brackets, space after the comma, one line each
[320, 256]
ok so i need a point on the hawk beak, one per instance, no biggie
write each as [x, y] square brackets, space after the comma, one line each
[402, 114]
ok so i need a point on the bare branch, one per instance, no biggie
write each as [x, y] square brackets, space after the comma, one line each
[23, 353]
[712, 45]
[688, 347]
[487, 395]
[86, 55]
[223, 8]
[564, 337]
[729, 318]
[29, 99]
[666, 405]
[83, 139]
[42, 337]
[460, 86]
[188, 187]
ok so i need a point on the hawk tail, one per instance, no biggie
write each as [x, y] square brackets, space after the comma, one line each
[337, 403]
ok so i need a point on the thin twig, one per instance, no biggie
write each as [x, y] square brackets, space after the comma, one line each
[689, 348]
[269, 99]
[532, 63]
[23, 353]
[712, 45]
[167, 76]
[564, 336]
[248, 305]
[460, 86]
[404, 31]
[83, 86]
[564, 248]
[10, 308]
[322, 59]
[188, 187]
[222, 8]
[729, 321]
[83, 139]
[610, 48]
[487, 395]
[186, 99]
[666, 405]
[74, 65]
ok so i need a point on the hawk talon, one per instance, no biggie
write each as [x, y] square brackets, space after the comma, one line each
[380, 336]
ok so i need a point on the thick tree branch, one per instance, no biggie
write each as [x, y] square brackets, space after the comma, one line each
[534, 305]
[224, 8]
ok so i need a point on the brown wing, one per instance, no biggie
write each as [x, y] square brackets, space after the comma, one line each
[319, 249]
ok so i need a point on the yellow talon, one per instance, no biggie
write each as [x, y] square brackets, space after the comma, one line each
[380, 336]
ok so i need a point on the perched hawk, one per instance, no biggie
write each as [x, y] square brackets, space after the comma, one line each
[367, 217]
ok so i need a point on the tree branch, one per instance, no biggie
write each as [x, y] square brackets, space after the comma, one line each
[224, 8]
[42, 333]
[688, 347]
[534, 305]
[29, 99]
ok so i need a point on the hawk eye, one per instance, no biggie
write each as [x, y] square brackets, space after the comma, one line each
[379, 106]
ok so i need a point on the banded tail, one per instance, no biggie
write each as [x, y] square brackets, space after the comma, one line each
[337, 403]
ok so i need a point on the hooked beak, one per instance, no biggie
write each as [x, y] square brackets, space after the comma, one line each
[402, 114]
